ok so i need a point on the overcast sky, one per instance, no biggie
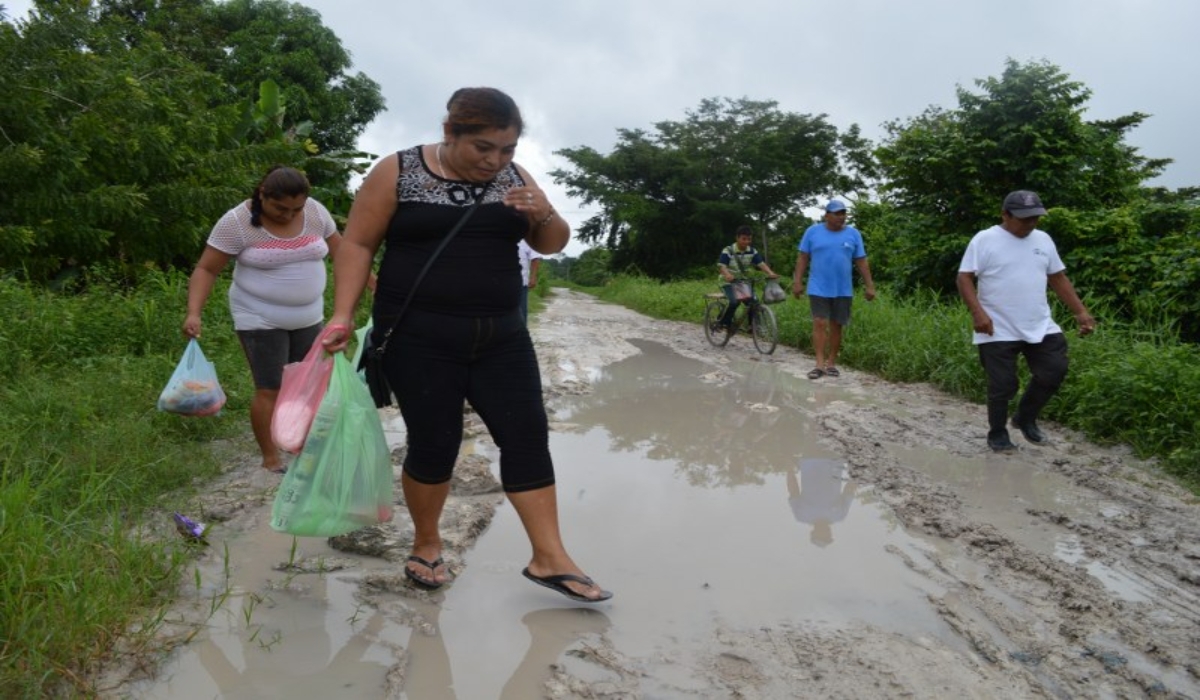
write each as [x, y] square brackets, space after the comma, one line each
[581, 69]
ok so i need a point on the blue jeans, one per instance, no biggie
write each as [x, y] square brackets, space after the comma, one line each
[727, 317]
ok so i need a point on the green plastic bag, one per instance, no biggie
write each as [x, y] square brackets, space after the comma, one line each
[360, 337]
[342, 479]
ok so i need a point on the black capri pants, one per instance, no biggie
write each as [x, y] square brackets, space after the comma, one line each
[435, 362]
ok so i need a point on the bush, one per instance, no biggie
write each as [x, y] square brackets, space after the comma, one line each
[1133, 384]
[83, 454]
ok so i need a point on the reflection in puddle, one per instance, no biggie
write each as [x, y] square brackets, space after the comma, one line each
[820, 497]
[702, 498]
[277, 634]
[719, 428]
[551, 632]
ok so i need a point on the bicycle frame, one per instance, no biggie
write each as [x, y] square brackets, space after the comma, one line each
[752, 314]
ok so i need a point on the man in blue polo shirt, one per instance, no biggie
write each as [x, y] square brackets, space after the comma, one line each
[829, 251]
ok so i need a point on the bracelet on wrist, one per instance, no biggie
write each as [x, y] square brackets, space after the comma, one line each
[546, 220]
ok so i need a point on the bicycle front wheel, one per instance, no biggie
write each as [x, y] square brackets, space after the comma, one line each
[716, 335]
[765, 329]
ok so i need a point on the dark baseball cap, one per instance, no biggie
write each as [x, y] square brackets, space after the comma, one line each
[1023, 204]
[835, 205]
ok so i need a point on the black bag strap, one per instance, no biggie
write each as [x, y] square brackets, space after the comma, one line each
[429, 263]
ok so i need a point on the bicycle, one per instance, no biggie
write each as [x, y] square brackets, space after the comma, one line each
[752, 313]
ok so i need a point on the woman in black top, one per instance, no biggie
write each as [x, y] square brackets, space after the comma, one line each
[462, 337]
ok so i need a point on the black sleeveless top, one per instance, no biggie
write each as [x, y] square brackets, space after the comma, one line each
[478, 273]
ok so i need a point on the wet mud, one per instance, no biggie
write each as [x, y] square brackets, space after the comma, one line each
[766, 536]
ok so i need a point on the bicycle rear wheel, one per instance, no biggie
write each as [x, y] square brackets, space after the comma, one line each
[712, 323]
[765, 329]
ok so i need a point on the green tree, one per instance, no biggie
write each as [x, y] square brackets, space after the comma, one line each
[945, 171]
[112, 151]
[669, 200]
[591, 268]
[250, 42]
[286, 42]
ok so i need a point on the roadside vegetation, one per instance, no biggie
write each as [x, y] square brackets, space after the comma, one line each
[86, 454]
[129, 130]
[1131, 383]
[92, 470]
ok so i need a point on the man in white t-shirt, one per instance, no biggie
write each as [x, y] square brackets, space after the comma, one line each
[530, 261]
[1012, 264]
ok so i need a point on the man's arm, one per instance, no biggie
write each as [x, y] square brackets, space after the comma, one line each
[798, 275]
[723, 266]
[1066, 293]
[864, 269]
[533, 268]
[979, 318]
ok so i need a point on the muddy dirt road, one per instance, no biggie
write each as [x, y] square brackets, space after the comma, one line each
[766, 536]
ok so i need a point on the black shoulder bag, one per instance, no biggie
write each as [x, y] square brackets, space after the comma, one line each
[371, 362]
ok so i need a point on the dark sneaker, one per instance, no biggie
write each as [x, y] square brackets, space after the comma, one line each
[1030, 430]
[999, 442]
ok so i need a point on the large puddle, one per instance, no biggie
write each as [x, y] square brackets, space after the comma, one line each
[701, 498]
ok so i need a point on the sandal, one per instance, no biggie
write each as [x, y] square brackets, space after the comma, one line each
[558, 583]
[832, 371]
[428, 583]
[816, 373]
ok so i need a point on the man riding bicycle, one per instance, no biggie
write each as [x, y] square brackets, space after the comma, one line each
[740, 256]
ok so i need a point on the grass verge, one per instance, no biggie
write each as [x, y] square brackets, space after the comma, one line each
[1131, 384]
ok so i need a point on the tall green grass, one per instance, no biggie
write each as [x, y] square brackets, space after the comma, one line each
[1133, 384]
[85, 455]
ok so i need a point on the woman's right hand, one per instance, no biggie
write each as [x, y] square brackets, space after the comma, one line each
[337, 334]
[191, 326]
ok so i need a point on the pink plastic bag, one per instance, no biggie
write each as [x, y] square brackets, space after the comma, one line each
[300, 393]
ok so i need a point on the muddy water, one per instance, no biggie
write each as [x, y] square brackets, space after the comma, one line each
[700, 496]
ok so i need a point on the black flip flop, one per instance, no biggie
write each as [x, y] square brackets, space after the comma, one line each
[557, 583]
[427, 583]
[816, 373]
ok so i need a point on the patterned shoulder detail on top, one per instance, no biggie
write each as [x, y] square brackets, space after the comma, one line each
[417, 184]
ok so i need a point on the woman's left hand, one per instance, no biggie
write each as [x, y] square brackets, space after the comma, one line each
[531, 201]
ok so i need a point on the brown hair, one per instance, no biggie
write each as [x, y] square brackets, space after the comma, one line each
[471, 110]
[279, 182]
